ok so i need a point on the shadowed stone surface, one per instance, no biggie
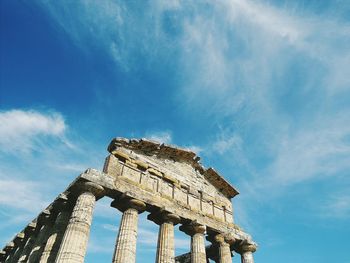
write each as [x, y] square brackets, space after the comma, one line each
[54, 241]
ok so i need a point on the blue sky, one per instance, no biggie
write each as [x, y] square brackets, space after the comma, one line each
[260, 89]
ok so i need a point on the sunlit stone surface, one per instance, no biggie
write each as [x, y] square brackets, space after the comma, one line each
[167, 182]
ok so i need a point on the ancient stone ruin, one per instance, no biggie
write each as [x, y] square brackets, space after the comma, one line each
[140, 176]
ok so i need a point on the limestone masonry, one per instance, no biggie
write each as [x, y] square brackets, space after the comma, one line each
[140, 176]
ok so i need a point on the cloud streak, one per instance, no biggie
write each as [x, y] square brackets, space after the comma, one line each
[21, 194]
[160, 136]
[337, 207]
[254, 61]
[24, 131]
[273, 81]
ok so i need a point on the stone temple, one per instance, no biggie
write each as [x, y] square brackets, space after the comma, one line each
[141, 176]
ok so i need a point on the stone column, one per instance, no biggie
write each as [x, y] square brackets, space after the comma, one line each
[246, 252]
[53, 243]
[19, 242]
[125, 248]
[74, 243]
[9, 249]
[29, 231]
[223, 249]
[45, 221]
[196, 232]
[165, 247]
[3, 255]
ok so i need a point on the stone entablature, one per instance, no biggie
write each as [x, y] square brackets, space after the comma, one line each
[160, 183]
[171, 158]
[163, 185]
[172, 173]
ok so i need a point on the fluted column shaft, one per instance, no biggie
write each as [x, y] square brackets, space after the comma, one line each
[73, 247]
[39, 243]
[125, 248]
[10, 250]
[246, 252]
[165, 246]
[198, 248]
[27, 249]
[3, 255]
[74, 243]
[165, 249]
[247, 257]
[223, 249]
[18, 253]
[10, 256]
[20, 242]
[224, 253]
[196, 231]
[54, 241]
[29, 242]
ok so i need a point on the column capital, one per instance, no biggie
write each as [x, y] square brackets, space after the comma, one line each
[87, 187]
[222, 246]
[216, 238]
[44, 214]
[60, 203]
[230, 238]
[3, 254]
[219, 238]
[43, 218]
[9, 246]
[30, 228]
[193, 228]
[19, 238]
[164, 217]
[96, 189]
[75, 239]
[124, 203]
[247, 248]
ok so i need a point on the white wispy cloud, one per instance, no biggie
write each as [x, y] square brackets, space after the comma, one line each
[22, 131]
[195, 148]
[274, 77]
[37, 162]
[233, 40]
[337, 207]
[160, 136]
[21, 194]
[20, 202]
[320, 150]
[242, 84]
[227, 142]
